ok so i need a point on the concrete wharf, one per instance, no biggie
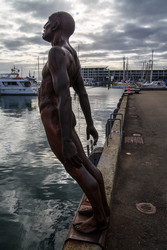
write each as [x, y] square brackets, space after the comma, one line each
[134, 167]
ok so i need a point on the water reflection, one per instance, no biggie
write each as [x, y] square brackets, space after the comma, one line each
[37, 197]
[14, 103]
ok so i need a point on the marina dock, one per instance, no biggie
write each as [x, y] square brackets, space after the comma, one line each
[133, 164]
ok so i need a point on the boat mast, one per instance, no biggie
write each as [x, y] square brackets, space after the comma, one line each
[143, 71]
[147, 72]
[123, 69]
[151, 73]
[127, 76]
[38, 68]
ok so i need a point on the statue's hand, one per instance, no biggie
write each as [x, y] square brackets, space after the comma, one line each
[71, 155]
[92, 131]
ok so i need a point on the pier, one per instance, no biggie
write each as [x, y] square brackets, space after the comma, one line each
[133, 164]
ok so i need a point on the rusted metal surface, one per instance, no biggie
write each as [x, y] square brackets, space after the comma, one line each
[98, 238]
[134, 139]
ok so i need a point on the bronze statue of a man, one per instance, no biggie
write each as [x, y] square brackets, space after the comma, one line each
[61, 72]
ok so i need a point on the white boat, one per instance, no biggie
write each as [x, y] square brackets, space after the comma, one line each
[120, 85]
[154, 85]
[13, 84]
[124, 85]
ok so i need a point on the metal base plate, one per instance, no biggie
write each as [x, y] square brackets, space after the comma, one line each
[98, 238]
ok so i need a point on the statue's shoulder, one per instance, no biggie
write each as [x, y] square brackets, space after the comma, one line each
[57, 55]
[56, 50]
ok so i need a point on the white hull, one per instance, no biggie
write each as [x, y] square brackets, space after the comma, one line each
[17, 86]
[154, 85]
[18, 91]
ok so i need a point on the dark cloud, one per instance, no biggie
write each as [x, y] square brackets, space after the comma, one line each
[35, 40]
[40, 9]
[29, 27]
[19, 42]
[135, 31]
[94, 54]
[143, 10]
[13, 44]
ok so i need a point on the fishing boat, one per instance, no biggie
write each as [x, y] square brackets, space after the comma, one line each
[13, 84]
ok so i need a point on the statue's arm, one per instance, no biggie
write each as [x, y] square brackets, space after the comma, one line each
[60, 79]
[85, 105]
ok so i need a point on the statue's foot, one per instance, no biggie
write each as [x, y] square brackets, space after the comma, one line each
[90, 226]
[86, 211]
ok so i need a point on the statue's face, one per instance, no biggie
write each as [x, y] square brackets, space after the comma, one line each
[47, 31]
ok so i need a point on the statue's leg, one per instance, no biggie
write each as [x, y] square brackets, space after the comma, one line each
[95, 172]
[91, 189]
[90, 180]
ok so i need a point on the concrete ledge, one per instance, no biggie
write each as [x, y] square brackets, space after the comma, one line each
[108, 161]
[107, 165]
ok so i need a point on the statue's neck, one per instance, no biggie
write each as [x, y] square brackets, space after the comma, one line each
[59, 39]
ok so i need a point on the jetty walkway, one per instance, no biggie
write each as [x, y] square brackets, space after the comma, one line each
[135, 175]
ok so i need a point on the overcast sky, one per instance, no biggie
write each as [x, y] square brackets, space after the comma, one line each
[106, 31]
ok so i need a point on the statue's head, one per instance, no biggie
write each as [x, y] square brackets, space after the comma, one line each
[59, 21]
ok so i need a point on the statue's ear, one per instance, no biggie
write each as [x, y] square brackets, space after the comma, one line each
[56, 25]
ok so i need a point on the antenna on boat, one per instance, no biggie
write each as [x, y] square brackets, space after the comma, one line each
[15, 71]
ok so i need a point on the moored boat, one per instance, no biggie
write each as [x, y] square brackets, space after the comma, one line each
[154, 85]
[13, 84]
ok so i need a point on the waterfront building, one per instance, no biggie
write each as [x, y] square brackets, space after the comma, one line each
[137, 75]
[95, 75]
[100, 75]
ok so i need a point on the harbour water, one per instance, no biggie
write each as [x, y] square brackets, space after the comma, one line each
[38, 198]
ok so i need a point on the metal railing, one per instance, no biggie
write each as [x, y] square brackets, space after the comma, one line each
[109, 125]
